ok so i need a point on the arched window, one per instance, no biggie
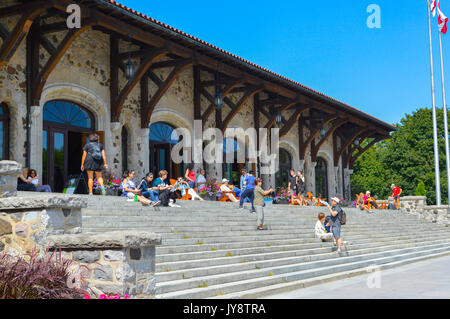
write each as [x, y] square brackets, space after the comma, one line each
[321, 178]
[162, 139]
[231, 171]
[285, 165]
[124, 149]
[67, 114]
[4, 132]
[65, 124]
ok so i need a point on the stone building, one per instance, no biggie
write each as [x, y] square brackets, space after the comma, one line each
[57, 84]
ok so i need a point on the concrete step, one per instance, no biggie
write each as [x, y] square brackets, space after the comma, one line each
[210, 286]
[268, 291]
[165, 273]
[176, 262]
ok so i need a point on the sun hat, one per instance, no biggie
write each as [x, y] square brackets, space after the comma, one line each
[224, 180]
[337, 200]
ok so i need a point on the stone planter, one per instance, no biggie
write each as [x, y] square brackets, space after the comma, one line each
[282, 202]
[212, 198]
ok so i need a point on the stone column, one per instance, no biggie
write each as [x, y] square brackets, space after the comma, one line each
[143, 149]
[8, 178]
[310, 177]
[114, 154]
[124, 260]
[348, 190]
[36, 139]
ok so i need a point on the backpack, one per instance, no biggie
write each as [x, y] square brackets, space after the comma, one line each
[96, 152]
[343, 218]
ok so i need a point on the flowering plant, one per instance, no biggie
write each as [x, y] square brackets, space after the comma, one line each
[112, 183]
[211, 190]
[282, 194]
[116, 296]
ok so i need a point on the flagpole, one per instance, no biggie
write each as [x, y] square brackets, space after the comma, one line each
[447, 151]
[435, 137]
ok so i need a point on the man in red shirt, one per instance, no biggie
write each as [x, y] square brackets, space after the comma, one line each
[396, 191]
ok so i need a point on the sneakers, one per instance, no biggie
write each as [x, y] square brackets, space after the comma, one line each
[130, 200]
[173, 205]
[240, 207]
[154, 204]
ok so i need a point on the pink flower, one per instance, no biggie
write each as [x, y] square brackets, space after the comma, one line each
[103, 297]
[87, 297]
[126, 296]
[116, 296]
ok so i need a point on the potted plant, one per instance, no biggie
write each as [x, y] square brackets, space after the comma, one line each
[282, 197]
[112, 184]
[210, 192]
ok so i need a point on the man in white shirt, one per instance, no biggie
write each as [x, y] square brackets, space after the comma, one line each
[320, 231]
[225, 189]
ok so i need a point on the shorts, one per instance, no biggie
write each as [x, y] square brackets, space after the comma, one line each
[336, 229]
[396, 197]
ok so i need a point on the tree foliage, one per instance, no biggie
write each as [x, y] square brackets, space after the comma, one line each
[405, 159]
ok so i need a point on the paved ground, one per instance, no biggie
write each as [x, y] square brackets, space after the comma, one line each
[423, 280]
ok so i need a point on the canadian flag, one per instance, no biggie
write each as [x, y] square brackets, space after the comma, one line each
[433, 7]
[442, 19]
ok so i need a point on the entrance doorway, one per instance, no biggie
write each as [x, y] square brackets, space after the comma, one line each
[161, 144]
[64, 125]
[321, 178]
[232, 171]
[285, 165]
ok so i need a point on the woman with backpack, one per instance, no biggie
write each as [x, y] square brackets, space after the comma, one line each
[94, 160]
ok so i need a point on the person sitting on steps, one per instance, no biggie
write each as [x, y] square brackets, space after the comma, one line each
[166, 195]
[225, 188]
[32, 175]
[320, 231]
[145, 186]
[23, 184]
[129, 189]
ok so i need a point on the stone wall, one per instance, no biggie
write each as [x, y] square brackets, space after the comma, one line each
[8, 178]
[25, 222]
[416, 205]
[124, 261]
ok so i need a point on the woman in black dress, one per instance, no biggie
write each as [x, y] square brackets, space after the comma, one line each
[94, 160]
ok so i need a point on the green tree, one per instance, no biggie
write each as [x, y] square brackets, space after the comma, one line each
[405, 159]
[420, 189]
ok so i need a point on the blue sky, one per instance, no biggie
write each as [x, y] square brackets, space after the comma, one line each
[325, 45]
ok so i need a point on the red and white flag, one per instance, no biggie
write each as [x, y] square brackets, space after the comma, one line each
[442, 19]
[433, 7]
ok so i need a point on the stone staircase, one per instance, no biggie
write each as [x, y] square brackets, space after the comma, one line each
[213, 250]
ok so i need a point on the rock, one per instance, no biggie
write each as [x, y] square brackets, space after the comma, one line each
[125, 273]
[31, 216]
[114, 255]
[56, 218]
[103, 273]
[112, 289]
[108, 240]
[2, 246]
[148, 253]
[135, 254]
[86, 256]
[22, 230]
[40, 237]
[150, 287]
[5, 227]
[17, 216]
[28, 201]
[143, 267]
[10, 168]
